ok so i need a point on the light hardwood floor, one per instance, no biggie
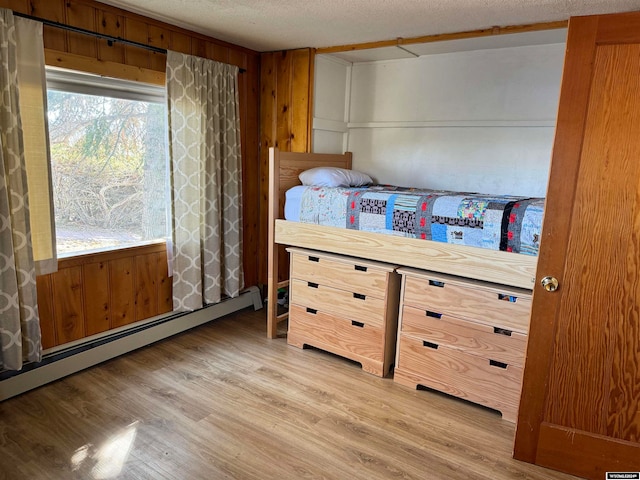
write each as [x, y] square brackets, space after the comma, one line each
[223, 401]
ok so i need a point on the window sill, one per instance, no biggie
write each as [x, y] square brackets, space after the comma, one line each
[106, 254]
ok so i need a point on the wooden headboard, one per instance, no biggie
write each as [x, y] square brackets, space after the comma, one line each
[284, 168]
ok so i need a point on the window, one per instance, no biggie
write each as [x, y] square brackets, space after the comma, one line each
[108, 161]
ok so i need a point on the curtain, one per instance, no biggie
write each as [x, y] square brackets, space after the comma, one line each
[19, 323]
[33, 107]
[205, 164]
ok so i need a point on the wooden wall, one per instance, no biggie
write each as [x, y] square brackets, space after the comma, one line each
[90, 294]
[87, 295]
[286, 96]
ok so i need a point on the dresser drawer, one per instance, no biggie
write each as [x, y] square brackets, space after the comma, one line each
[456, 373]
[346, 273]
[352, 339]
[486, 341]
[492, 305]
[346, 304]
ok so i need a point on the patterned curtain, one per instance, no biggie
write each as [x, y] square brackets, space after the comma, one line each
[19, 323]
[204, 151]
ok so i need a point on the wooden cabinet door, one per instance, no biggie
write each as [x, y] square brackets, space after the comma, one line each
[580, 405]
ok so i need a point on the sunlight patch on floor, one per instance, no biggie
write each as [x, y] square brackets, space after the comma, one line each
[109, 458]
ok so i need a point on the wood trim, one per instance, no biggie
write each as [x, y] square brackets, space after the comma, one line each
[585, 454]
[485, 32]
[503, 268]
[108, 255]
[103, 67]
[565, 162]
[618, 28]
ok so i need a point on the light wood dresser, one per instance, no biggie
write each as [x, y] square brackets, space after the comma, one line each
[344, 305]
[463, 337]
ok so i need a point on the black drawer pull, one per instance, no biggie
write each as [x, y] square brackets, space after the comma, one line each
[429, 344]
[507, 298]
[495, 363]
[312, 285]
[436, 283]
[357, 324]
[433, 314]
[359, 296]
[314, 259]
[360, 268]
[312, 310]
[502, 331]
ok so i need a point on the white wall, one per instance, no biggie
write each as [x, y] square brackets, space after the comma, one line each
[470, 121]
[331, 104]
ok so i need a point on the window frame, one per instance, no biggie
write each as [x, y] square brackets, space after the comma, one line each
[74, 81]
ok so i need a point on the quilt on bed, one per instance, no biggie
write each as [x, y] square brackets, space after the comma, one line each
[494, 222]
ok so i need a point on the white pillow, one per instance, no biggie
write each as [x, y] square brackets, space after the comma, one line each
[334, 177]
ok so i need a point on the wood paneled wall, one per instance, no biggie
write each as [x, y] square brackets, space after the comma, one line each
[89, 296]
[86, 53]
[93, 293]
[100, 18]
[286, 97]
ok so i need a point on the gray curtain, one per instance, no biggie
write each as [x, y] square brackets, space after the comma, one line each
[206, 180]
[19, 323]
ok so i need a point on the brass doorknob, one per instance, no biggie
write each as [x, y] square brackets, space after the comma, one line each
[550, 284]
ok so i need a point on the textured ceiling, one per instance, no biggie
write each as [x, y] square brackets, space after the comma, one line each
[266, 25]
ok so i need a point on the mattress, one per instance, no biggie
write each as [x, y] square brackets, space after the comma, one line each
[495, 222]
[292, 201]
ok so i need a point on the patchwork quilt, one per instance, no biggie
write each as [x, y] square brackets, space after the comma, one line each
[496, 222]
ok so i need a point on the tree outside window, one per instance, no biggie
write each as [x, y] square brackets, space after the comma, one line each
[109, 170]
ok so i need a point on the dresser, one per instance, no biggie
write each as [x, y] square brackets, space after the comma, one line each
[463, 337]
[344, 305]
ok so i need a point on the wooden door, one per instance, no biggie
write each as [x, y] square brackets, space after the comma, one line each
[580, 405]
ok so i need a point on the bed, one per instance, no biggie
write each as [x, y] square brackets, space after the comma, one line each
[499, 266]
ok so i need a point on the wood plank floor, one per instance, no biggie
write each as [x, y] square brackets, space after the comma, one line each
[223, 401]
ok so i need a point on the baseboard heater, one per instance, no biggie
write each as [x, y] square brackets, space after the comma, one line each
[88, 353]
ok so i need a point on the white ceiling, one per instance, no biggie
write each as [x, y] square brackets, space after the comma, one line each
[267, 25]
